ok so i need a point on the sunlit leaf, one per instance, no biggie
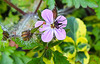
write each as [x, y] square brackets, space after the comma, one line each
[73, 26]
[81, 32]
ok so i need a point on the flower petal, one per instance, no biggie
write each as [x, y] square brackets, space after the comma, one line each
[63, 20]
[47, 15]
[60, 34]
[47, 35]
[45, 27]
[38, 23]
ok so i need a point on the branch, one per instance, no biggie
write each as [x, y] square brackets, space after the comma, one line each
[12, 5]
[38, 6]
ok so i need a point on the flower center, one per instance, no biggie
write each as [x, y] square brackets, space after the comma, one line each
[52, 26]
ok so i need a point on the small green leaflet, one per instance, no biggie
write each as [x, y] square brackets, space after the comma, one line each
[80, 57]
[59, 58]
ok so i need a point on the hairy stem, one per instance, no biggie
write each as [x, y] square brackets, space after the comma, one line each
[12, 5]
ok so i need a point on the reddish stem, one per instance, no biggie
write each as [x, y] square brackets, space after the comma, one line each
[12, 5]
[38, 6]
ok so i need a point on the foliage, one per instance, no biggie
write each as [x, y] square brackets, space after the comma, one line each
[83, 3]
[81, 45]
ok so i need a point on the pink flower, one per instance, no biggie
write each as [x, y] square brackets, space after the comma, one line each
[53, 27]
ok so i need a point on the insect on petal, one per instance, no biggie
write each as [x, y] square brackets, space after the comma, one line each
[63, 20]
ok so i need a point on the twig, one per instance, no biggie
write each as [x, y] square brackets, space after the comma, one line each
[38, 6]
[12, 5]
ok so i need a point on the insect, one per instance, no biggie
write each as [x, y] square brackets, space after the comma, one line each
[26, 35]
[59, 24]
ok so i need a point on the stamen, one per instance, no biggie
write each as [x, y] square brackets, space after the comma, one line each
[52, 26]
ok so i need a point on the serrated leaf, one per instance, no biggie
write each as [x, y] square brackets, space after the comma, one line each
[80, 57]
[59, 58]
[83, 3]
[97, 9]
[26, 44]
[73, 26]
[36, 61]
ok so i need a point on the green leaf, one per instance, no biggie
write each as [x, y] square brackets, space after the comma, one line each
[20, 58]
[48, 54]
[36, 61]
[50, 3]
[81, 45]
[26, 44]
[68, 47]
[17, 60]
[3, 6]
[94, 59]
[1, 35]
[97, 10]
[25, 5]
[97, 46]
[83, 3]
[38, 48]
[6, 59]
[59, 58]
[96, 32]
[73, 26]
[11, 20]
[39, 14]
[34, 29]
[80, 57]
[8, 50]
[54, 44]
